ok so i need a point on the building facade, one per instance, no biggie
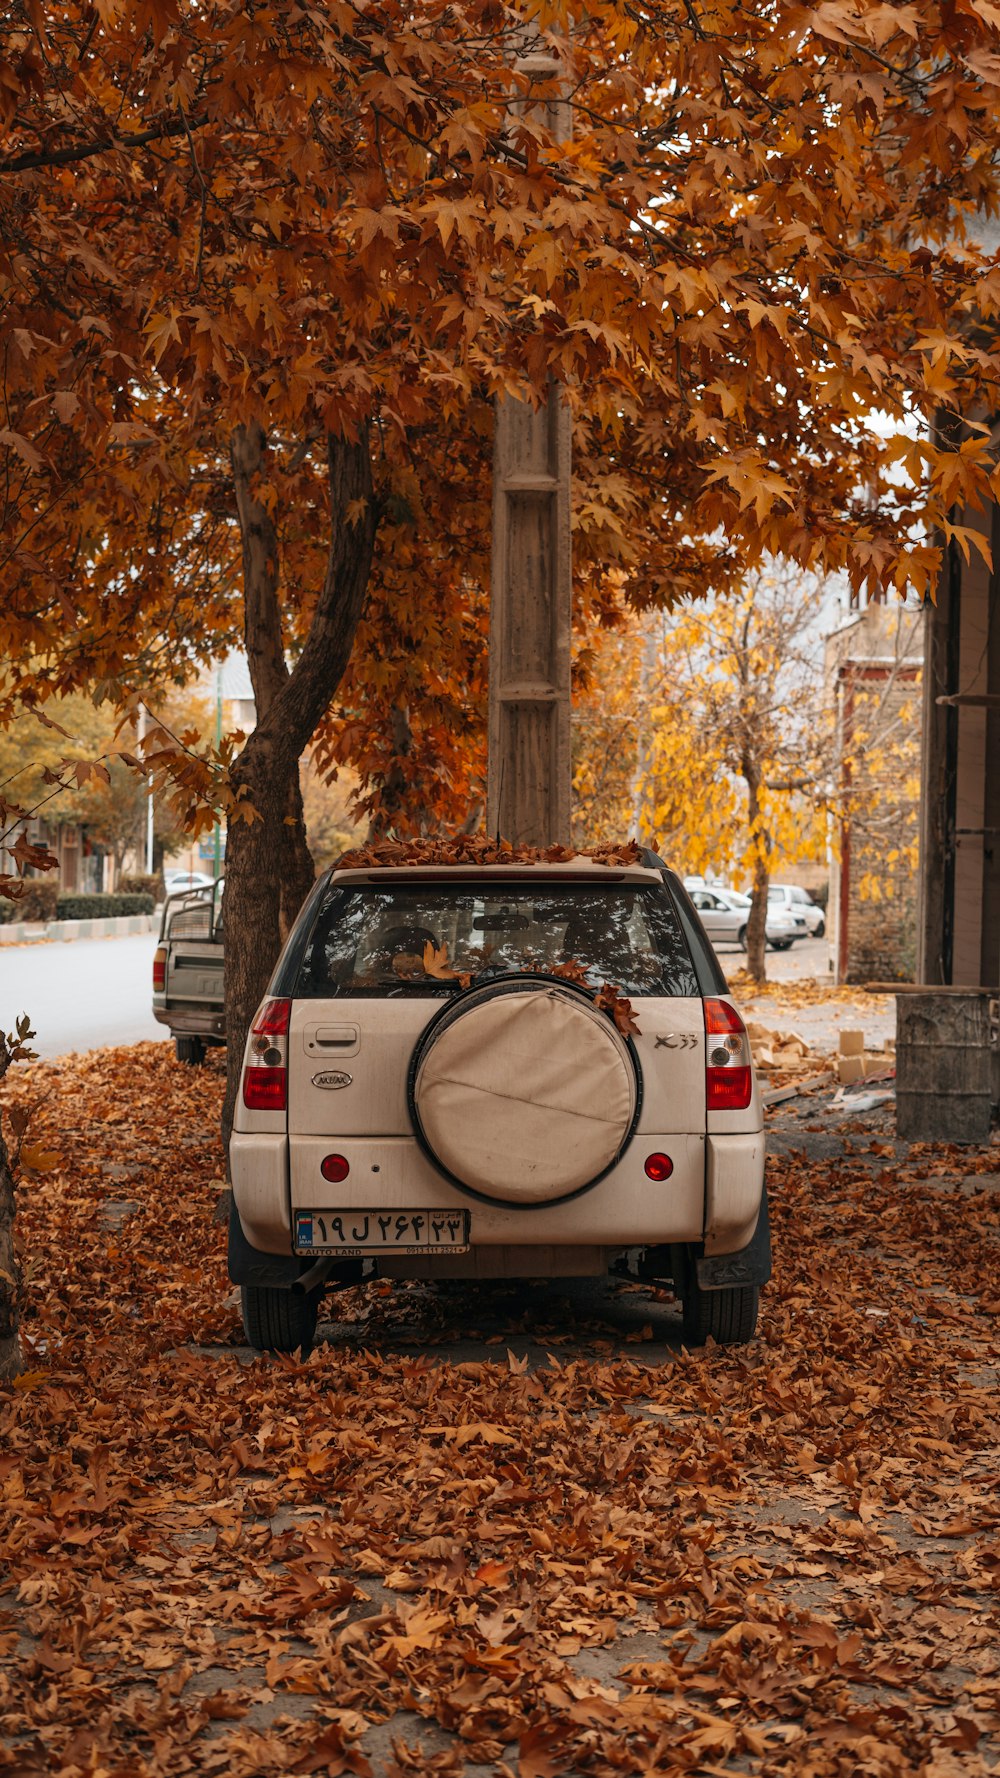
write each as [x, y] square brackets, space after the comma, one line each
[959, 911]
[874, 667]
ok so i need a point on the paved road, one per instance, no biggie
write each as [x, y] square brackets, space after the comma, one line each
[807, 957]
[97, 991]
[82, 995]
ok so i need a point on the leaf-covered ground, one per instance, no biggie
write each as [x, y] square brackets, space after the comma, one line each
[577, 1551]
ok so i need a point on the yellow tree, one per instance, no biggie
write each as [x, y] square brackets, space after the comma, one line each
[631, 746]
[714, 736]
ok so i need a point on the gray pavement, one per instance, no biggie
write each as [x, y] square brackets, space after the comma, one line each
[808, 959]
[83, 995]
[819, 1022]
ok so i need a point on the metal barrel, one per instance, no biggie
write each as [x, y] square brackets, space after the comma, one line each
[944, 1067]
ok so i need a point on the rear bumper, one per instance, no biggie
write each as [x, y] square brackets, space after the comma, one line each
[713, 1195]
[751, 1265]
[192, 1021]
[624, 1209]
[734, 1184]
[258, 1166]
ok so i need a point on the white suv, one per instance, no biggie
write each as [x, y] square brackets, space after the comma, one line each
[492, 1071]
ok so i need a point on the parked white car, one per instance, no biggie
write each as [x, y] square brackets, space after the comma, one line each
[189, 879]
[798, 901]
[724, 914]
[425, 1095]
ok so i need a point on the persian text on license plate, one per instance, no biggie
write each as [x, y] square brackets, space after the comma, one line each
[382, 1231]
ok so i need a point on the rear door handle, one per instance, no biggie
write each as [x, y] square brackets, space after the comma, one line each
[332, 1040]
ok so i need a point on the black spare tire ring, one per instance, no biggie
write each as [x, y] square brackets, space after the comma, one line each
[523, 981]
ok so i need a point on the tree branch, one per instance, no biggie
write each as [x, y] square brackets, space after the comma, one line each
[61, 157]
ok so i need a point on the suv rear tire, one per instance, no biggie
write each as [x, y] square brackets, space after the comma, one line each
[279, 1320]
[729, 1315]
[190, 1050]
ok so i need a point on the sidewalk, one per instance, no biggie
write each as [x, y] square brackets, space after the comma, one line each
[28, 932]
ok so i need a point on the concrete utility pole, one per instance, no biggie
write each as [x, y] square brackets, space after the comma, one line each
[141, 736]
[530, 770]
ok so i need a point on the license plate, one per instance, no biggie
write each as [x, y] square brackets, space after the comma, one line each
[382, 1231]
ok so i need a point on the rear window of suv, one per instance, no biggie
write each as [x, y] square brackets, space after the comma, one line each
[384, 939]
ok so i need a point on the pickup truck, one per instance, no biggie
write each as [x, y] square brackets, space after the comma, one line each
[187, 971]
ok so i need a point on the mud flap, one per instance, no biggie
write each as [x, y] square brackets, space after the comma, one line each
[247, 1265]
[751, 1265]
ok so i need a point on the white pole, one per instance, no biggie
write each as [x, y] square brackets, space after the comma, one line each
[149, 827]
[149, 797]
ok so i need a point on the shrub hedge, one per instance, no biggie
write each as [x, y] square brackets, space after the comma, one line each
[37, 903]
[42, 902]
[102, 907]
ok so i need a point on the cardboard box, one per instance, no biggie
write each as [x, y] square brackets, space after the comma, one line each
[850, 1068]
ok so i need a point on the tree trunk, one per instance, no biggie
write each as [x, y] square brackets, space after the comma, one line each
[396, 813]
[757, 923]
[268, 865]
[11, 1286]
[298, 871]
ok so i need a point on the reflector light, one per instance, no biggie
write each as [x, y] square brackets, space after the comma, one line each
[334, 1168]
[658, 1167]
[159, 969]
[272, 1020]
[265, 1089]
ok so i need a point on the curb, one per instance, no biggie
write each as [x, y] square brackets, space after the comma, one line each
[20, 932]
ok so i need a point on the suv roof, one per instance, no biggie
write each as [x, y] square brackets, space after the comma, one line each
[577, 869]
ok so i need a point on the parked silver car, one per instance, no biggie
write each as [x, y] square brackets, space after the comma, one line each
[725, 913]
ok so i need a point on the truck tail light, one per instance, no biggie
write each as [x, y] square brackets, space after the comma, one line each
[729, 1065]
[159, 969]
[265, 1071]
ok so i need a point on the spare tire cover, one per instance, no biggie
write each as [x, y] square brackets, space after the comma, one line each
[525, 1095]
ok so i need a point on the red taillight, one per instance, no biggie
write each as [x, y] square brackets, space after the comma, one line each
[729, 1074]
[272, 1020]
[159, 969]
[265, 1089]
[728, 1089]
[658, 1167]
[335, 1168]
[722, 1018]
